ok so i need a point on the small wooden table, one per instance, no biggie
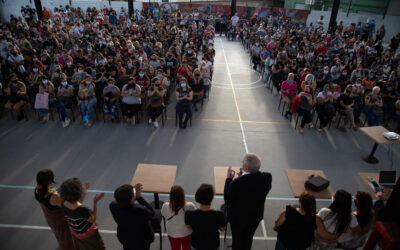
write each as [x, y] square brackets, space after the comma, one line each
[220, 177]
[155, 179]
[376, 134]
[365, 179]
[297, 178]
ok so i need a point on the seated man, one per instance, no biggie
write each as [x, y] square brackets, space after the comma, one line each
[111, 94]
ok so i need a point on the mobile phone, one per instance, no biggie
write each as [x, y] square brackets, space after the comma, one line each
[240, 170]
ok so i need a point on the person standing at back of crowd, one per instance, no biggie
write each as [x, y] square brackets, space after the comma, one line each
[50, 202]
[245, 199]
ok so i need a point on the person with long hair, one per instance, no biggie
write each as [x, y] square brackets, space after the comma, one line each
[335, 219]
[174, 213]
[81, 219]
[365, 217]
[296, 225]
[50, 202]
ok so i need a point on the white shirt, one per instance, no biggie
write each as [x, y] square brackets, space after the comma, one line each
[330, 225]
[176, 226]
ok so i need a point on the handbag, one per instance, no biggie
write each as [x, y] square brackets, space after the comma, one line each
[42, 101]
[316, 183]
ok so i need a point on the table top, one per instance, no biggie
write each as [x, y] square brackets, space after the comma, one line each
[155, 178]
[220, 177]
[364, 178]
[376, 134]
[297, 178]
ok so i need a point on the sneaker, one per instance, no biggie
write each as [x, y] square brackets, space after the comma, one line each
[63, 124]
[46, 119]
[150, 121]
[67, 122]
[156, 124]
[301, 130]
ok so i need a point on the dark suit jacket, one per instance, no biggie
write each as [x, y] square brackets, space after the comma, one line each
[134, 223]
[245, 197]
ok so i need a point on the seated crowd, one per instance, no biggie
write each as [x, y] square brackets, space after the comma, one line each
[340, 73]
[98, 61]
[190, 227]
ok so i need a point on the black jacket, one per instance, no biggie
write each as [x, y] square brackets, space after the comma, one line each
[134, 223]
[245, 197]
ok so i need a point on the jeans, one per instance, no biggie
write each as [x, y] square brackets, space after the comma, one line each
[63, 105]
[110, 108]
[181, 110]
[88, 109]
[373, 120]
[267, 76]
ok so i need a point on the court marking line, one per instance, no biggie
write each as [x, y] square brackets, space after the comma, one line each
[234, 98]
[109, 231]
[162, 195]
[233, 121]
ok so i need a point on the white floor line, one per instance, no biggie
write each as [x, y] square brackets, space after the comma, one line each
[110, 231]
[264, 230]
[234, 97]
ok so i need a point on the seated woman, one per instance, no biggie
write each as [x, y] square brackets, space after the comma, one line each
[46, 87]
[197, 85]
[365, 218]
[335, 220]
[81, 220]
[50, 202]
[131, 100]
[296, 225]
[174, 213]
[325, 106]
[288, 90]
[373, 107]
[305, 105]
[184, 96]
[345, 104]
[17, 98]
[111, 94]
[87, 100]
[155, 94]
[65, 94]
[310, 81]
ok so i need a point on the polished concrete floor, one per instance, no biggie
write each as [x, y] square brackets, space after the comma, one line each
[241, 115]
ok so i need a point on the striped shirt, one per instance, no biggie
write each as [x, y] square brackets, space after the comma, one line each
[77, 221]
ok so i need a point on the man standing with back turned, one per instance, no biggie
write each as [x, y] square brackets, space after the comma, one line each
[244, 198]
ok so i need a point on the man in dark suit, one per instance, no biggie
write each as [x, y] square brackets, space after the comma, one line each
[133, 218]
[244, 198]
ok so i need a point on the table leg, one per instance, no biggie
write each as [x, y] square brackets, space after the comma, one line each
[371, 158]
[156, 204]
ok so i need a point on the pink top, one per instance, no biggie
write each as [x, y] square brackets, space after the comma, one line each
[291, 87]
